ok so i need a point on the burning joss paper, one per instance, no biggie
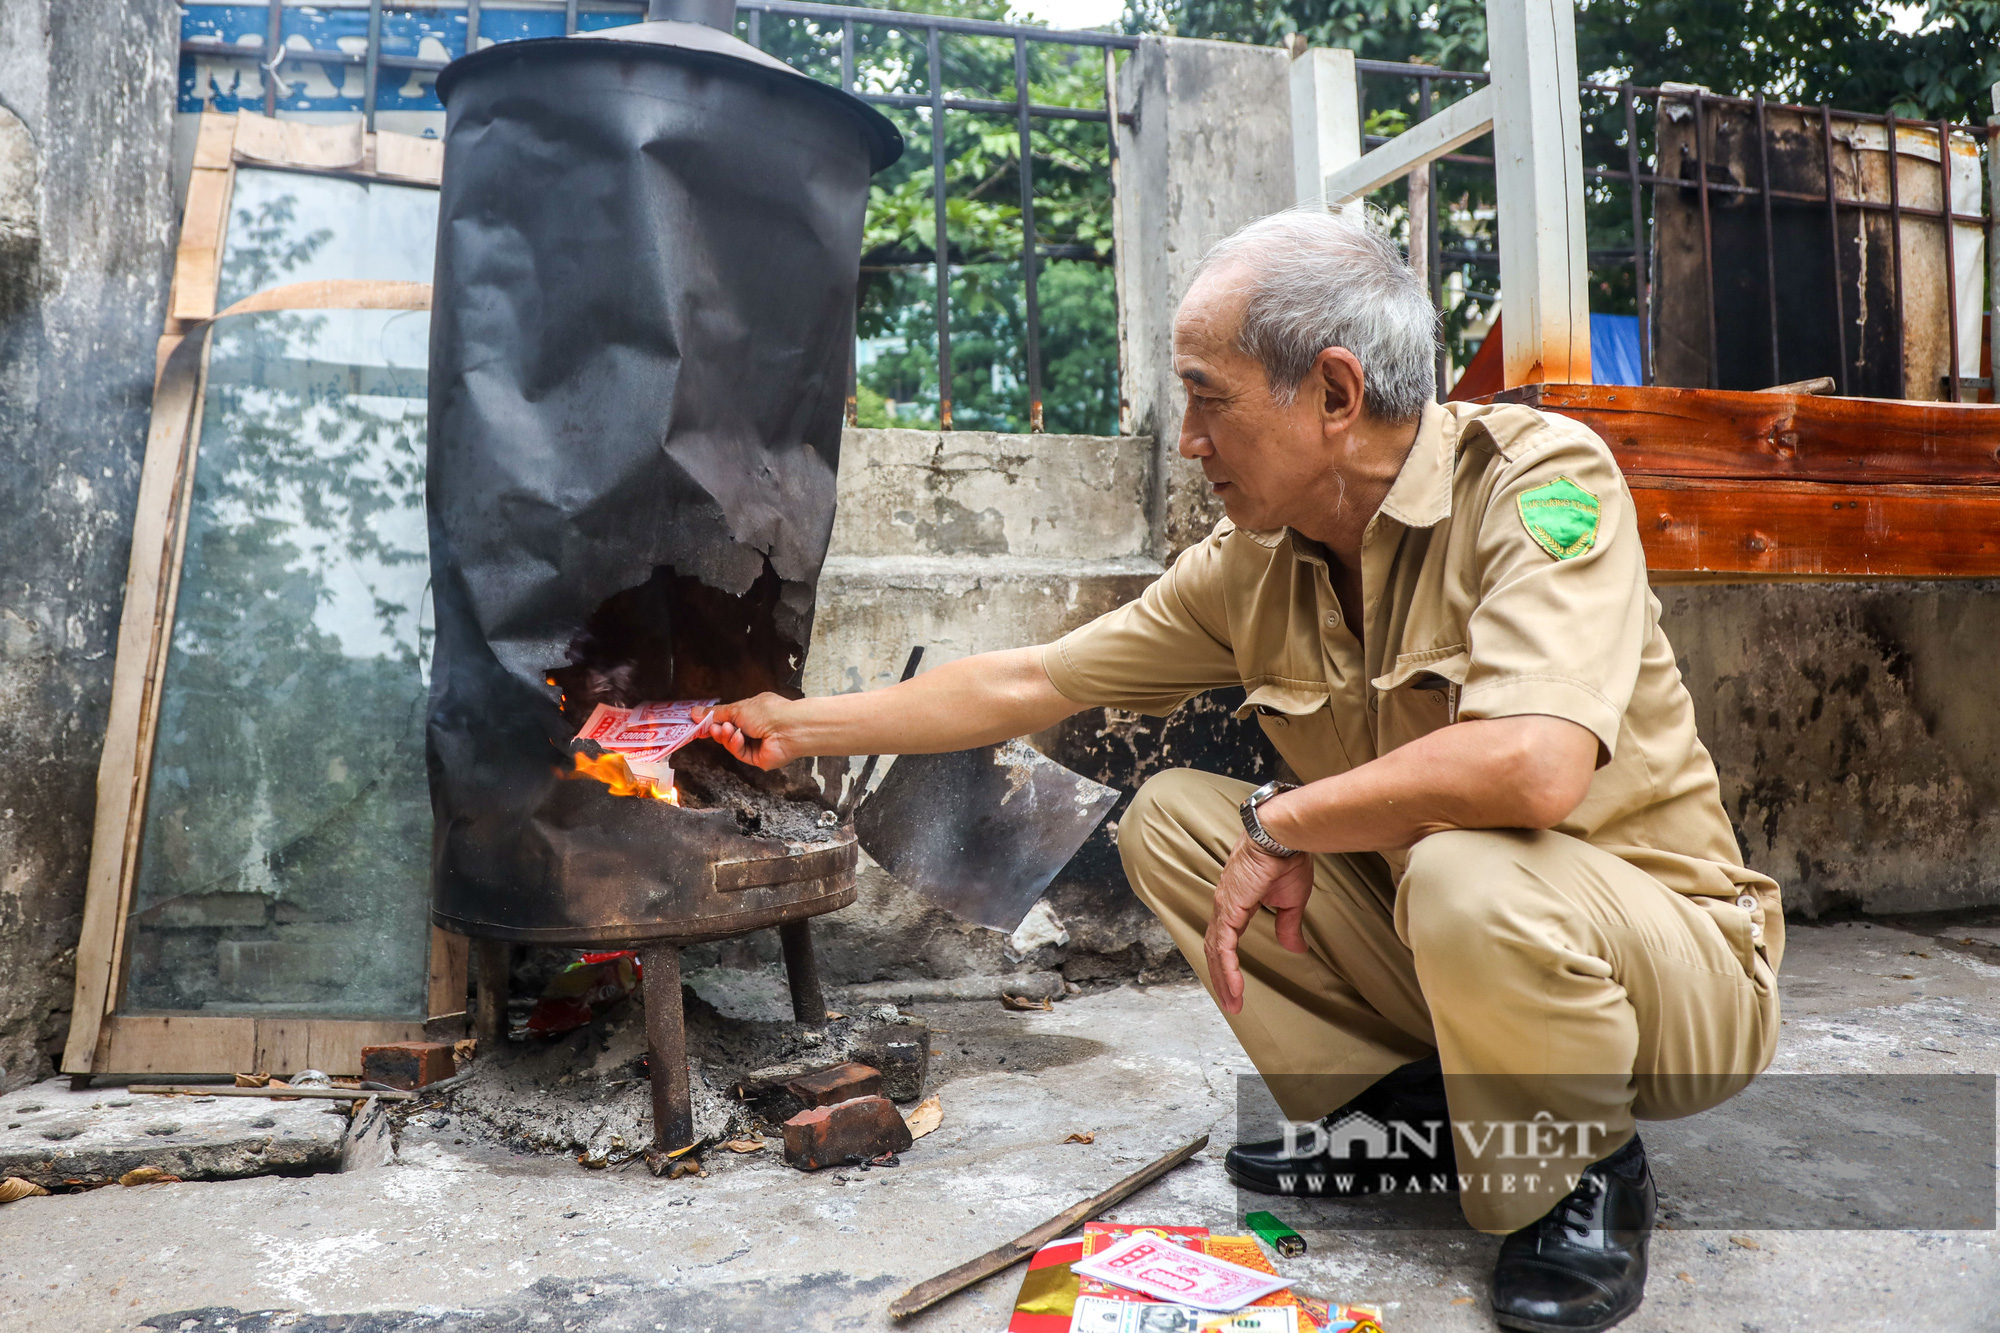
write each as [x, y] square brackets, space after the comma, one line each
[1095, 1314]
[645, 735]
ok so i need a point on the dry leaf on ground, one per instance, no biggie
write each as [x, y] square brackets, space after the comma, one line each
[13, 1187]
[253, 1080]
[927, 1115]
[1022, 1004]
[466, 1049]
[745, 1145]
[1081, 1138]
[1745, 1242]
[148, 1175]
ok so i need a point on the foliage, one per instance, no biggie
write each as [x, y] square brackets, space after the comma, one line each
[982, 153]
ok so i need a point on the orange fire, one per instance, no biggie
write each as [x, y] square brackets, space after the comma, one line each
[611, 770]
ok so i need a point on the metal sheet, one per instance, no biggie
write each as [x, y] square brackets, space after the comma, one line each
[646, 267]
[981, 832]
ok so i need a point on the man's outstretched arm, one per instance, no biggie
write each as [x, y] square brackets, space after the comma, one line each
[971, 701]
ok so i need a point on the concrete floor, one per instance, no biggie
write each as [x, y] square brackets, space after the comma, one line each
[462, 1235]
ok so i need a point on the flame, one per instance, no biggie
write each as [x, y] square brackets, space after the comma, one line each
[611, 770]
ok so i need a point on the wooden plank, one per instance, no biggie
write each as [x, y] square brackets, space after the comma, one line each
[295, 143]
[330, 1045]
[1538, 183]
[1755, 437]
[407, 157]
[450, 959]
[215, 139]
[1447, 131]
[1788, 529]
[178, 1044]
[198, 257]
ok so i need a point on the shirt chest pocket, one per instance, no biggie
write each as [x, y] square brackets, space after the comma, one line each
[1418, 695]
[1297, 717]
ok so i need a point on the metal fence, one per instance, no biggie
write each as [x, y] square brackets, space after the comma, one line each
[451, 27]
[1616, 129]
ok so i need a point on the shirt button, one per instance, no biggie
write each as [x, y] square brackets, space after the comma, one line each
[1756, 931]
[1746, 901]
[1332, 620]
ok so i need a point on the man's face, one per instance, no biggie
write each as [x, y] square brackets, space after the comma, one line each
[1260, 456]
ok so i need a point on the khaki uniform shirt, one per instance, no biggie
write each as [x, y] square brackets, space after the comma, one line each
[1485, 593]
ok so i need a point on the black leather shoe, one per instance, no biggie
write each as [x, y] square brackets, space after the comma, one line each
[1395, 1138]
[1582, 1266]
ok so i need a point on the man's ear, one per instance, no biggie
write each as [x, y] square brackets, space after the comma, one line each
[1340, 381]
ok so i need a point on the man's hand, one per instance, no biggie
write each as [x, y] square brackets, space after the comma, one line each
[753, 730]
[1254, 877]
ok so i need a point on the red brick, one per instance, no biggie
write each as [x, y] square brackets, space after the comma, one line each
[409, 1064]
[863, 1128]
[842, 1083]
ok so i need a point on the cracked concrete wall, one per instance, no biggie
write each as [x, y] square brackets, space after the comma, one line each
[1858, 747]
[86, 222]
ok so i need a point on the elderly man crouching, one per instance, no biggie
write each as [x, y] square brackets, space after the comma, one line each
[1502, 891]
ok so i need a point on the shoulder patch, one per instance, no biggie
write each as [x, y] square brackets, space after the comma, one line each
[1561, 517]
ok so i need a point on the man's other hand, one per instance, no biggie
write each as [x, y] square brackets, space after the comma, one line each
[1254, 878]
[753, 730]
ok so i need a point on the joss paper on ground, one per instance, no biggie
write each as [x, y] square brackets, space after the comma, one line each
[583, 990]
[1167, 1271]
[1098, 1236]
[1095, 1314]
[1047, 1297]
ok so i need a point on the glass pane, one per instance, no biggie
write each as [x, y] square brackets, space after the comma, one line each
[283, 866]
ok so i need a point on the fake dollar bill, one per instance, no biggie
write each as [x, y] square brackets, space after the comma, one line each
[1096, 1314]
[645, 735]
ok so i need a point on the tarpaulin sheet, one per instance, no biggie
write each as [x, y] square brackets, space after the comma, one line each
[645, 286]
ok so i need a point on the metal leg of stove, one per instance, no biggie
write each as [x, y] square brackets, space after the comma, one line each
[666, 1057]
[492, 960]
[802, 970]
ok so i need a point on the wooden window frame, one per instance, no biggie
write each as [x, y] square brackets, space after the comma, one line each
[101, 1040]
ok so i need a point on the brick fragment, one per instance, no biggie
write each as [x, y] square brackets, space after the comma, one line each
[409, 1064]
[842, 1083]
[903, 1053]
[865, 1127]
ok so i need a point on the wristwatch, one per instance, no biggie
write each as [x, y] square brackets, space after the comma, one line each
[1255, 826]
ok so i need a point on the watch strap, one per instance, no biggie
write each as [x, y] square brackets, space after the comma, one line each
[1253, 827]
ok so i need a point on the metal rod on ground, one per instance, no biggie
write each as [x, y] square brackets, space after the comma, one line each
[1029, 259]
[802, 972]
[936, 67]
[307, 1094]
[666, 1052]
[1833, 231]
[1639, 287]
[926, 1294]
[492, 960]
[860, 787]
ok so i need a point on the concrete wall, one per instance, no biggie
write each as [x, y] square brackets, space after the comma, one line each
[1211, 150]
[1855, 733]
[86, 95]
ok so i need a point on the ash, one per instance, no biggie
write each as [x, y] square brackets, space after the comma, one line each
[587, 1092]
[783, 805]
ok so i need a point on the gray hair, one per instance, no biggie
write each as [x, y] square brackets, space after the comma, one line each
[1319, 279]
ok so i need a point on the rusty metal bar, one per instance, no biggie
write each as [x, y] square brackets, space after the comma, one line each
[1950, 258]
[1770, 245]
[802, 972]
[1896, 254]
[1833, 233]
[1030, 261]
[1707, 235]
[943, 234]
[1433, 247]
[374, 61]
[274, 50]
[756, 24]
[666, 1051]
[471, 26]
[846, 56]
[1641, 288]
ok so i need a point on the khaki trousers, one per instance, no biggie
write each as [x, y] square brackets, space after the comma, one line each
[1566, 992]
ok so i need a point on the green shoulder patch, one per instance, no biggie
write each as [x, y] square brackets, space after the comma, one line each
[1561, 517]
